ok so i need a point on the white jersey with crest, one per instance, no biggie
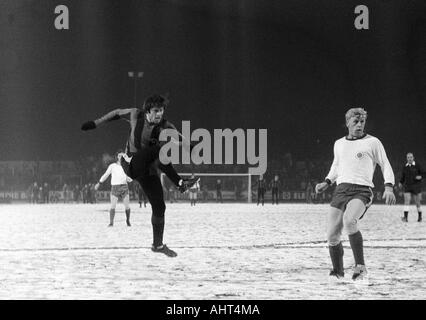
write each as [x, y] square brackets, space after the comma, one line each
[355, 161]
[117, 175]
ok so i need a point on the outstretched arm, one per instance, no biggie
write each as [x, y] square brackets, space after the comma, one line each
[385, 166]
[110, 116]
[104, 177]
[387, 171]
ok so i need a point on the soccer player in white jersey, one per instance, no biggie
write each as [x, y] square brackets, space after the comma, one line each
[119, 188]
[355, 158]
[193, 191]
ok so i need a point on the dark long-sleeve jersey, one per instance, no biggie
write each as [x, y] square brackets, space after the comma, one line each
[409, 174]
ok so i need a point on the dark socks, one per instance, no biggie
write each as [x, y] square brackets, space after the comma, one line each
[111, 216]
[128, 216]
[157, 229]
[336, 255]
[357, 246]
[406, 214]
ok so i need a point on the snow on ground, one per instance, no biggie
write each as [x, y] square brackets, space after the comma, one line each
[225, 251]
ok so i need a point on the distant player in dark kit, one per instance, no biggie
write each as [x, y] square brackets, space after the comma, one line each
[141, 161]
[119, 188]
[411, 181]
[355, 159]
[275, 187]
[261, 188]
[219, 191]
[141, 195]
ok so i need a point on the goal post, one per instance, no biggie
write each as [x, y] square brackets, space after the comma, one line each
[235, 186]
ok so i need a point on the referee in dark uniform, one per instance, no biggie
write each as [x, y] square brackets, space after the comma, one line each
[411, 181]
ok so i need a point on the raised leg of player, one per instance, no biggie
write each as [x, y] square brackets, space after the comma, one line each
[114, 201]
[334, 233]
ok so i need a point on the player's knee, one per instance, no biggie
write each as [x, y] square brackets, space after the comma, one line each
[333, 240]
[333, 237]
[350, 225]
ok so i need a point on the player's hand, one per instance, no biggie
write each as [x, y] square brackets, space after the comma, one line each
[321, 187]
[389, 196]
[89, 125]
[97, 186]
[418, 177]
[400, 185]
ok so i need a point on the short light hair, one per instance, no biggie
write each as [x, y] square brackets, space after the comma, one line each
[355, 112]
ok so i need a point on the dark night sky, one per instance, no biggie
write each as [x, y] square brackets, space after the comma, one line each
[293, 67]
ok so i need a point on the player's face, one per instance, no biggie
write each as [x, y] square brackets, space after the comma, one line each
[155, 114]
[356, 126]
[410, 158]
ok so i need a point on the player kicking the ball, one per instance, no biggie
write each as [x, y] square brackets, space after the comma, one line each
[142, 159]
[355, 158]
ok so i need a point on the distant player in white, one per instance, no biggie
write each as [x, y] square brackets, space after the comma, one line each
[119, 188]
[355, 158]
[193, 191]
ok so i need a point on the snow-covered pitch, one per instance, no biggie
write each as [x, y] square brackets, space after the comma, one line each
[225, 251]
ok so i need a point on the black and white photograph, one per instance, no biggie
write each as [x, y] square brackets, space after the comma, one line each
[212, 151]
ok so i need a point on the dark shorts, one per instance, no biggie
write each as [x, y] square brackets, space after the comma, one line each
[413, 189]
[120, 190]
[346, 192]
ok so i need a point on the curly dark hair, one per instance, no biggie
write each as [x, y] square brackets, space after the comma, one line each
[155, 101]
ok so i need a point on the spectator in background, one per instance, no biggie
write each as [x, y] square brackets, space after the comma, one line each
[65, 193]
[92, 193]
[205, 193]
[77, 193]
[34, 193]
[45, 193]
[309, 191]
[85, 193]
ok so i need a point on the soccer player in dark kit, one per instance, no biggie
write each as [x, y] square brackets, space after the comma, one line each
[411, 181]
[275, 187]
[141, 160]
[355, 159]
[141, 195]
[261, 188]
